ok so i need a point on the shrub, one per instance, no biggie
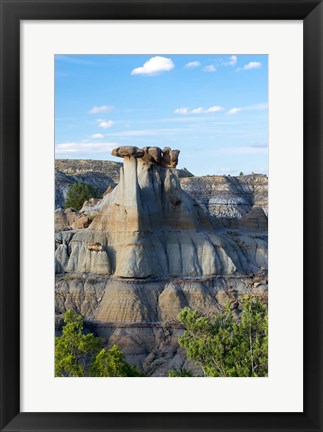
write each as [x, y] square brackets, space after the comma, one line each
[78, 193]
[228, 347]
[80, 355]
[179, 373]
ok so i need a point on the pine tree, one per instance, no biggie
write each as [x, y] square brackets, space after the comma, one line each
[80, 355]
[228, 347]
[78, 193]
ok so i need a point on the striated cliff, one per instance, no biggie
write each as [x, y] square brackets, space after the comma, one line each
[152, 249]
[227, 198]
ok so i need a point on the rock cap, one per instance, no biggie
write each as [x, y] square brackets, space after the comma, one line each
[153, 155]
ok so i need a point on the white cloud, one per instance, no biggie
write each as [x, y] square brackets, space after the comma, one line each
[83, 148]
[252, 65]
[209, 68]
[97, 136]
[256, 107]
[105, 124]
[182, 111]
[154, 66]
[232, 61]
[199, 110]
[100, 109]
[234, 110]
[192, 65]
[215, 108]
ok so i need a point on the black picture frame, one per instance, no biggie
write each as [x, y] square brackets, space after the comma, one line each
[12, 12]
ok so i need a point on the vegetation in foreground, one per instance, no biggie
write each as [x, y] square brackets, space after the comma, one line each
[222, 346]
[225, 346]
[82, 355]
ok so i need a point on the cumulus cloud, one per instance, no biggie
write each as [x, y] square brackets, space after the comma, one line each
[209, 68]
[97, 136]
[100, 109]
[192, 65]
[105, 124]
[252, 65]
[73, 148]
[234, 110]
[199, 110]
[154, 66]
[231, 62]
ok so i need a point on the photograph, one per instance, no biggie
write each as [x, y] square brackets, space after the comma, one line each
[161, 215]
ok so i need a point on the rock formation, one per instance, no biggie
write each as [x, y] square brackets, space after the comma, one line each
[227, 199]
[150, 250]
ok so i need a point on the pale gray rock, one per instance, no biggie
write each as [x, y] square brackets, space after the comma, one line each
[232, 201]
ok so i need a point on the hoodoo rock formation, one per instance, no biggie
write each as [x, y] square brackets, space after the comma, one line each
[151, 250]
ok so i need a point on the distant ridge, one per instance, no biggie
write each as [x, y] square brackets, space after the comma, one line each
[109, 168]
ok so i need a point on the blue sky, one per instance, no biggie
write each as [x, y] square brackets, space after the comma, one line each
[213, 108]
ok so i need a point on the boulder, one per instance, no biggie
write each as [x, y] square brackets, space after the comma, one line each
[128, 151]
[81, 222]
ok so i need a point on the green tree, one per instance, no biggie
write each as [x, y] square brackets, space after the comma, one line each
[225, 346]
[80, 355]
[179, 373]
[74, 349]
[78, 193]
[241, 173]
[112, 363]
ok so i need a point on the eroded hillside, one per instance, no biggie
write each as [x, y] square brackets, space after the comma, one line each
[151, 249]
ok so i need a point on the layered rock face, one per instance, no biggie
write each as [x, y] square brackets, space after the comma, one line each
[149, 227]
[228, 199]
[151, 250]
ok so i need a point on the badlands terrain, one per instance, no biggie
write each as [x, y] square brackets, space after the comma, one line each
[159, 239]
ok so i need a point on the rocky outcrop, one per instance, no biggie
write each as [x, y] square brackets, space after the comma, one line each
[73, 167]
[141, 316]
[70, 219]
[149, 227]
[151, 250]
[227, 199]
